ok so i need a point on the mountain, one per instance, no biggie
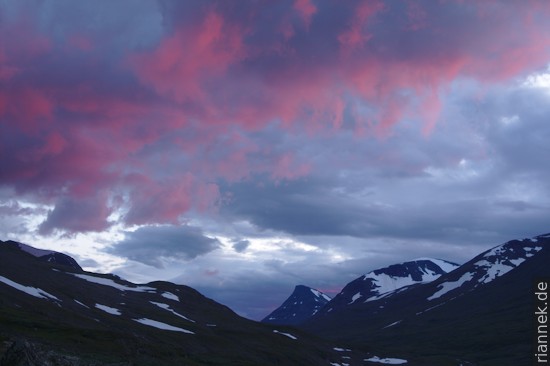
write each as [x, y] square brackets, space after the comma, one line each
[478, 314]
[45, 255]
[387, 281]
[54, 313]
[303, 303]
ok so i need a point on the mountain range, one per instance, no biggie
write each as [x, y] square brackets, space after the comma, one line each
[421, 312]
[479, 313]
[54, 313]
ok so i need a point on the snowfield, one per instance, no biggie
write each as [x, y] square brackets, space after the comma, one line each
[108, 309]
[170, 296]
[451, 285]
[285, 334]
[387, 361]
[167, 307]
[33, 291]
[111, 283]
[320, 294]
[160, 325]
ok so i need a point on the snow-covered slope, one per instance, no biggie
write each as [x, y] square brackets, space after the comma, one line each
[488, 266]
[390, 280]
[303, 303]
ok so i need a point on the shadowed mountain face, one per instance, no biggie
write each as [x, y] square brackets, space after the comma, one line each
[51, 309]
[301, 305]
[477, 314]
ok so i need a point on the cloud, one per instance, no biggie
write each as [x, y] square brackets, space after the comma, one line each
[152, 245]
[240, 245]
[475, 180]
[111, 100]
[82, 215]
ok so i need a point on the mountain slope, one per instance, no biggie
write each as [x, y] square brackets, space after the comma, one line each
[52, 310]
[478, 314]
[387, 281]
[303, 303]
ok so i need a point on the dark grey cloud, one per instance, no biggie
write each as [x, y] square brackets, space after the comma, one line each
[151, 244]
[240, 245]
[481, 177]
[72, 215]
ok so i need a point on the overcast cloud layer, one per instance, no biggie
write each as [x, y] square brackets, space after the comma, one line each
[245, 147]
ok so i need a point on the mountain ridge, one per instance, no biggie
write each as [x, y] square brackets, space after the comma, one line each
[51, 311]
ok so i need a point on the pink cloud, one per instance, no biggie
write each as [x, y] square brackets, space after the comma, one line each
[80, 42]
[78, 215]
[190, 56]
[286, 167]
[355, 35]
[306, 9]
[161, 123]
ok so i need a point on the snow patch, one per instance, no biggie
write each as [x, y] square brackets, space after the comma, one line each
[160, 325]
[79, 303]
[111, 283]
[444, 265]
[167, 307]
[170, 296]
[517, 262]
[320, 294]
[392, 324]
[338, 349]
[386, 294]
[285, 334]
[33, 291]
[385, 283]
[387, 361]
[108, 309]
[448, 286]
[494, 271]
[355, 297]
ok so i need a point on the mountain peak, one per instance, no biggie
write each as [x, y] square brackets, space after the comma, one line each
[303, 303]
[44, 255]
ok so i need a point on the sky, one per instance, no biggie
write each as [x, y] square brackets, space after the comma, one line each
[245, 147]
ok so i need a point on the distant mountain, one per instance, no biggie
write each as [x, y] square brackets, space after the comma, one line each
[303, 303]
[477, 314]
[45, 255]
[387, 281]
[53, 313]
